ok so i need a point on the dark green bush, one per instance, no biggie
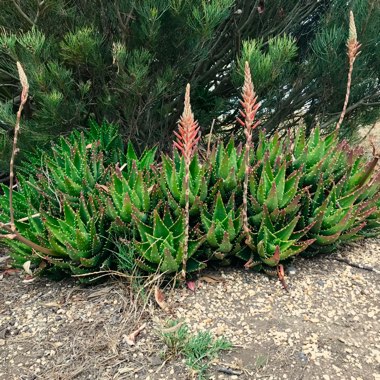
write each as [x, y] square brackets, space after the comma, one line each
[128, 61]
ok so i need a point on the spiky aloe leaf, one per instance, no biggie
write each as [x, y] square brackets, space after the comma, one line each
[160, 241]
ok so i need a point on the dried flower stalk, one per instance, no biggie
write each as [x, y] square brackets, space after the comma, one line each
[250, 107]
[23, 99]
[187, 136]
[353, 48]
[10, 227]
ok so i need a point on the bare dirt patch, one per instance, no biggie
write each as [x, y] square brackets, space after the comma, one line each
[326, 327]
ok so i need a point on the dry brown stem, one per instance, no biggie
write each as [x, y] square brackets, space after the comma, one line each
[23, 99]
[10, 227]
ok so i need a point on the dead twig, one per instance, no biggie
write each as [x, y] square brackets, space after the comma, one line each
[229, 371]
[355, 265]
[22, 13]
[369, 132]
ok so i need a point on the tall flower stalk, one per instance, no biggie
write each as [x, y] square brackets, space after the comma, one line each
[186, 142]
[249, 108]
[23, 100]
[10, 228]
[353, 50]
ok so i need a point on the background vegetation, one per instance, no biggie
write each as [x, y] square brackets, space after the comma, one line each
[128, 61]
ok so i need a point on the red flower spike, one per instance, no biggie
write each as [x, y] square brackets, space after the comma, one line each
[248, 113]
[249, 101]
[188, 133]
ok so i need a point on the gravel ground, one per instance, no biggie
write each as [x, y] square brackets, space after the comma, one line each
[326, 327]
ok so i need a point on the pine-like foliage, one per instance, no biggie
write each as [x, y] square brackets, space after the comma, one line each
[128, 61]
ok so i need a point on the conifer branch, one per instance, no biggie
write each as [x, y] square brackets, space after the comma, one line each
[22, 13]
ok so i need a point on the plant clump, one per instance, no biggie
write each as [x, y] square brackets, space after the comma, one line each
[80, 207]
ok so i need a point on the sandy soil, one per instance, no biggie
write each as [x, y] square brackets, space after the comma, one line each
[326, 327]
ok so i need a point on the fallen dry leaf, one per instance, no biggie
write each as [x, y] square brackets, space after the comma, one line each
[131, 338]
[248, 264]
[10, 271]
[89, 146]
[29, 280]
[26, 267]
[191, 285]
[160, 298]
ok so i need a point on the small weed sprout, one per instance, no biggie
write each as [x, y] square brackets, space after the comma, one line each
[198, 349]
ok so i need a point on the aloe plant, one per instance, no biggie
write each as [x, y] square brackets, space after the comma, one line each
[108, 138]
[105, 137]
[340, 212]
[227, 170]
[27, 204]
[319, 155]
[79, 238]
[77, 242]
[128, 193]
[74, 206]
[160, 243]
[273, 213]
[172, 178]
[76, 167]
[222, 226]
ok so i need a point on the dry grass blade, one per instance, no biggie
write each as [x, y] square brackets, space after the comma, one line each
[172, 329]
[209, 138]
